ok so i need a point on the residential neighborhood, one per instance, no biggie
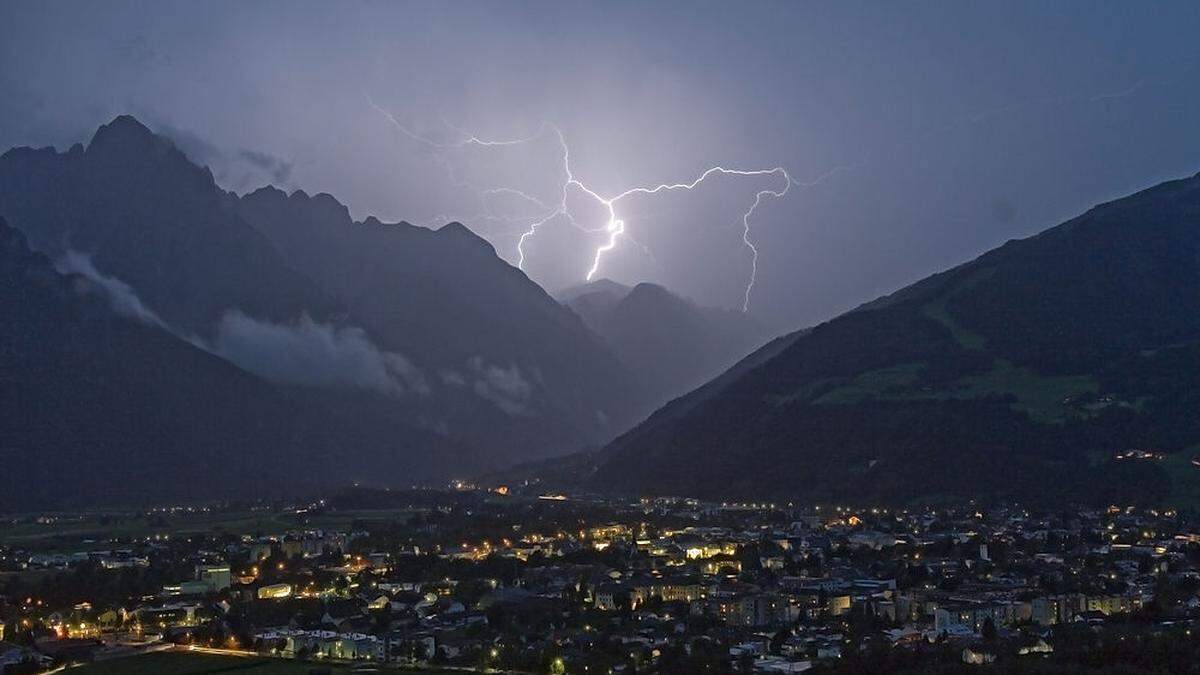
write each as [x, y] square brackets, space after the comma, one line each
[500, 579]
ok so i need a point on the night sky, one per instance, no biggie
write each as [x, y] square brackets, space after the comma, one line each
[932, 131]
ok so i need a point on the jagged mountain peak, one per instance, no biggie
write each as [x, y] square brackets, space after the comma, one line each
[456, 231]
[603, 285]
[655, 295]
[122, 129]
[128, 141]
[648, 287]
[670, 342]
[288, 287]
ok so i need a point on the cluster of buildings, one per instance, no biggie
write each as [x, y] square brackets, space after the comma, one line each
[473, 578]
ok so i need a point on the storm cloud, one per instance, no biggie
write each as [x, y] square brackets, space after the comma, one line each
[963, 124]
[278, 169]
[241, 170]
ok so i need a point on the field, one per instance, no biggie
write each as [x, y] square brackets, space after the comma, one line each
[1185, 478]
[191, 663]
[1040, 396]
[70, 532]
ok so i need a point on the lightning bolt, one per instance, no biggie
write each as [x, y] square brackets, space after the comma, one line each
[614, 228]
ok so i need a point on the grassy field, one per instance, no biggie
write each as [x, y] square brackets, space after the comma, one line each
[937, 311]
[1185, 478]
[191, 663]
[72, 531]
[1042, 397]
[1182, 474]
[873, 384]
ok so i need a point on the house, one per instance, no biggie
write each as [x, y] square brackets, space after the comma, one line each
[775, 664]
[329, 644]
[1034, 645]
[899, 636]
[752, 648]
[1047, 611]
[216, 577]
[609, 595]
[972, 615]
[977, 655]
[838, 604]
[685, 590]
[357, 646]
[338, 612]
[829, 650]
[166, 616]
[1092, 617]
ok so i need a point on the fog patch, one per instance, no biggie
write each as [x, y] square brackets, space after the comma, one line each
[304, 353]
[240, 169]
[277, 168]
[194, 146]
[507, 388]
[314, 354]
[453, 379]
[121, 297]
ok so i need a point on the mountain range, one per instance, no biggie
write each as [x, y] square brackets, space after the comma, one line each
[101, 408]
[425, 339]
[411, 354]
[1064, 366]
[165, 338]
[500, 360]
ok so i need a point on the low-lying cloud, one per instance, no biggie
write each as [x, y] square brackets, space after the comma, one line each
[314, 354]
[507, 388]
[121, 297]
[240, 169]
[303, 353]
[277, 168]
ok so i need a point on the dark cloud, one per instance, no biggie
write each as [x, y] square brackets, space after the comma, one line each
[197, 148]
[966, 123]
[279, 170]
[240, 170]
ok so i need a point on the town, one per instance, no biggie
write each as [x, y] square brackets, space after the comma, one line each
[496, 580]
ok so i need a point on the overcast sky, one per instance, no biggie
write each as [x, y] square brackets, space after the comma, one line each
[948, 127]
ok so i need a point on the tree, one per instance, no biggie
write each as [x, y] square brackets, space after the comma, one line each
[779, 639]
[988, 631]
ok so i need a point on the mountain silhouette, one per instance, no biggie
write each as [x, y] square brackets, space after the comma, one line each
[102, 408]
[1024, 373]
[429, 327]
[671, 344]
[445, 300]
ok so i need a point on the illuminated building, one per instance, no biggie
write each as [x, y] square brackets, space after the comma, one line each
[218, 577]
[275, 592]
